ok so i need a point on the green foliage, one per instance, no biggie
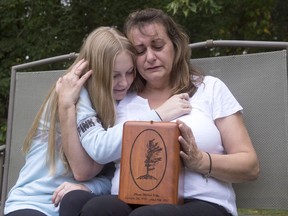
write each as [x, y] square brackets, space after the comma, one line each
[196, 6]
[3, 129]
[263, 212]
[232, 20]
[36, 29]
[279, 20]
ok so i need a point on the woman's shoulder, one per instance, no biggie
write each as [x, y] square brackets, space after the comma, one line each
[211, 81]
[211, 84]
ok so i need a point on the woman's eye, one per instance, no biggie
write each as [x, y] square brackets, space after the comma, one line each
[159, 47]
[140, 52]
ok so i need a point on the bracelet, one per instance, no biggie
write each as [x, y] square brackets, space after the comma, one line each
[206, 176]
[158, 115]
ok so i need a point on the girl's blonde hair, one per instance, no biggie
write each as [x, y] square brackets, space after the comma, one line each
[100, 49]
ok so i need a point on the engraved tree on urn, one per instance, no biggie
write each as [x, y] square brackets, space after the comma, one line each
[152, 158]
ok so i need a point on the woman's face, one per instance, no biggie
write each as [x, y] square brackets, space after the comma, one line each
[123, 75]
[155, 52]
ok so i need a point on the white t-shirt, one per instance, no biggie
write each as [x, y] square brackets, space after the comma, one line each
[212, 100]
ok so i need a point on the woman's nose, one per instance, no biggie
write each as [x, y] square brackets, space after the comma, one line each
[150, 55]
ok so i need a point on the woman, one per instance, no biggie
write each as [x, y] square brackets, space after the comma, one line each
[216, 147]
[218, 150]
[46, 168]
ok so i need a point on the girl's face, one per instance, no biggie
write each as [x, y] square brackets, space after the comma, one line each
[155, 52]
[123, 75]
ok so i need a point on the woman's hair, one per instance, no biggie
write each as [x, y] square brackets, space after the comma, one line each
[100, 49]
[183, 76]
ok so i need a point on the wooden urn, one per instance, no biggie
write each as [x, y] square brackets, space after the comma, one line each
[151, 168]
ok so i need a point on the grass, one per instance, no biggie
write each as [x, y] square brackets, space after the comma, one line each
[262, 212]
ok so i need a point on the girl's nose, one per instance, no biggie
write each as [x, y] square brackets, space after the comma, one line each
[123, 81]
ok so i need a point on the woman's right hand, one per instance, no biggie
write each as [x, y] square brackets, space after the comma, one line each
[68, 87]
[174, 107]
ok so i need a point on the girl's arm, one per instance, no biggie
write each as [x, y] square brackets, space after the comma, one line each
[82, 166]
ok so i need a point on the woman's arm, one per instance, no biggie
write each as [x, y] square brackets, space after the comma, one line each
[239, 164]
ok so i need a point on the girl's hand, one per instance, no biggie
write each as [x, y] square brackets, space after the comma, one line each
[69, 86]
[65, 188]
[174, 107]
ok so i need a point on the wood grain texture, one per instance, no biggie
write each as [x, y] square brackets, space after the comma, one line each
[151, 168]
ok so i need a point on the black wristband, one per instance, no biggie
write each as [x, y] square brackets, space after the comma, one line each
[158, 115]
[206, 176]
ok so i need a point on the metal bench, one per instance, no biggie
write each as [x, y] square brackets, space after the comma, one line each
[259, 82]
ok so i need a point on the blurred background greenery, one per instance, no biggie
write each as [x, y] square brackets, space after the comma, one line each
[36, 29]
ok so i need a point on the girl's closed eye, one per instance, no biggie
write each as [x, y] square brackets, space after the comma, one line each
[116, 76]
[131, 71]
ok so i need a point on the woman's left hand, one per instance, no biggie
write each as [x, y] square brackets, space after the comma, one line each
[65, 188]
[190, 154]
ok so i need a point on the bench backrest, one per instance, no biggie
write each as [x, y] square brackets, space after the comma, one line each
[26, 96]
[259, 82]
